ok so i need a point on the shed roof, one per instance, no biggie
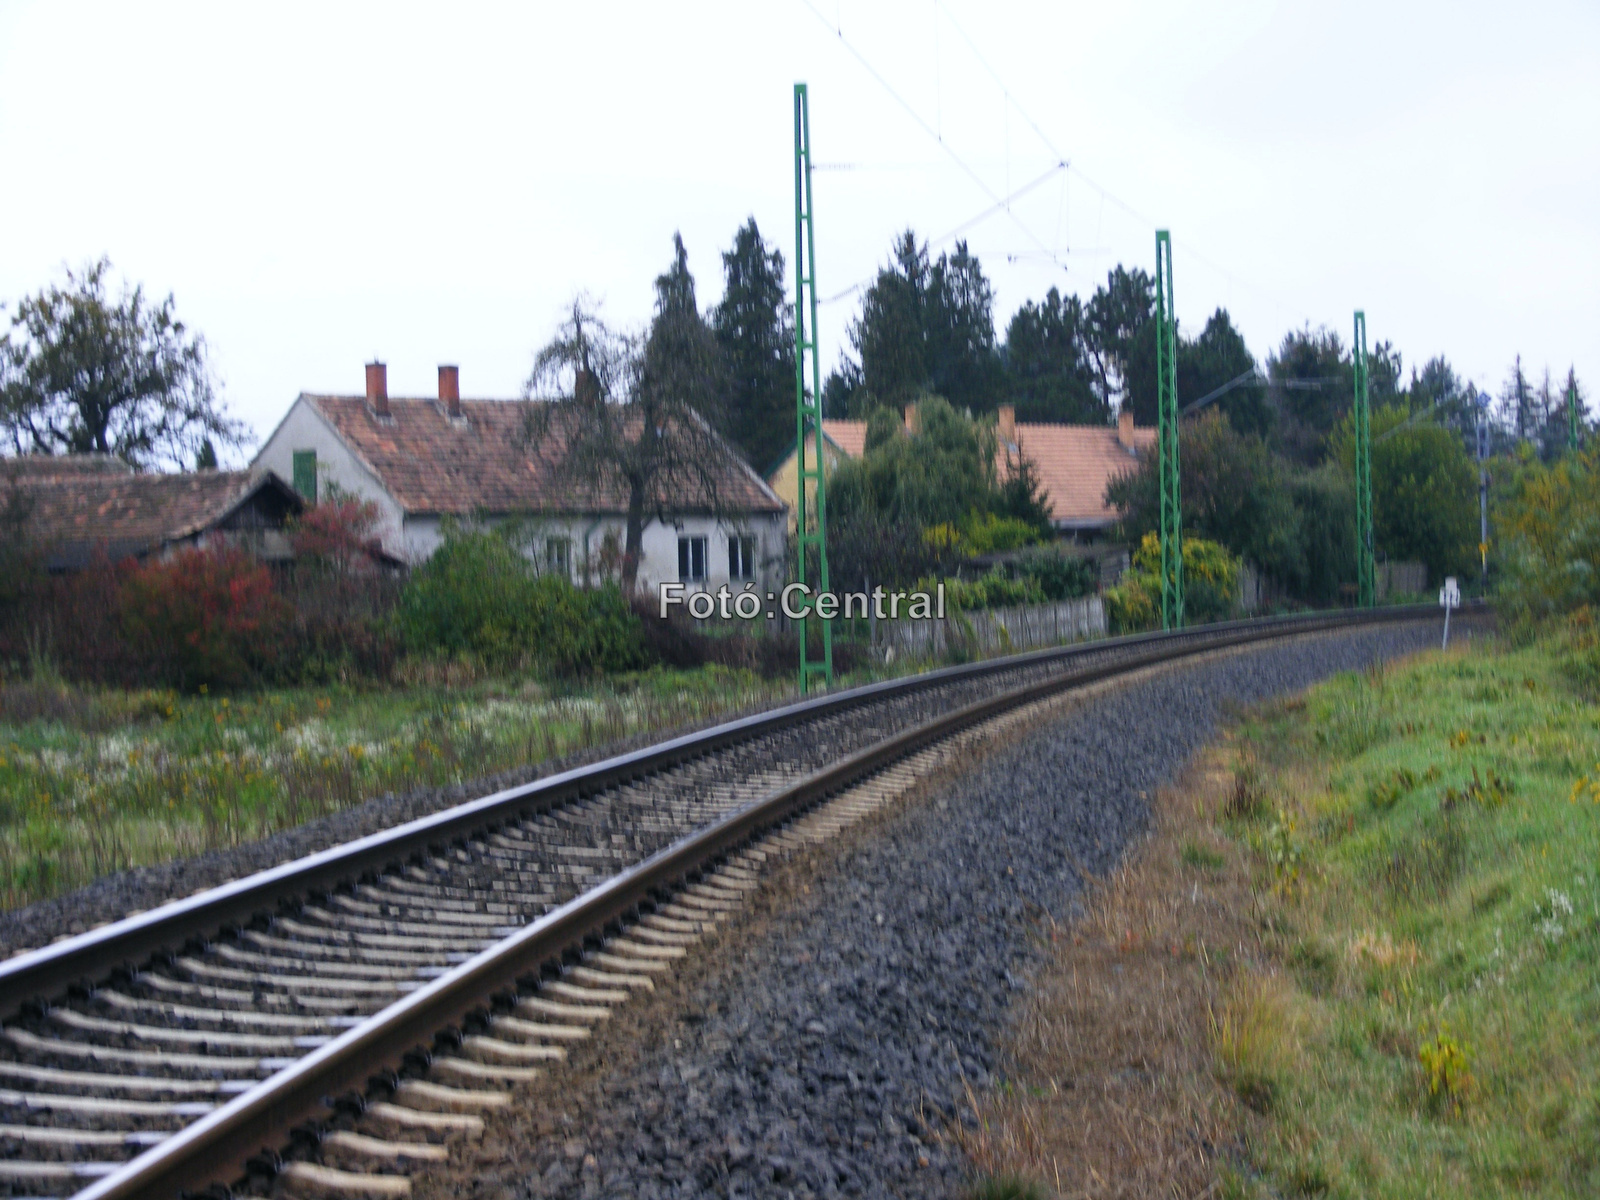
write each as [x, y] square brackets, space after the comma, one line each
[78, 512]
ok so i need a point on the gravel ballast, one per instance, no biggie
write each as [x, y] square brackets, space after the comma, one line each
[821, 1046]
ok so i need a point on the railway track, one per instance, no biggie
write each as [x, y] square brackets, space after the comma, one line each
[322, 1027]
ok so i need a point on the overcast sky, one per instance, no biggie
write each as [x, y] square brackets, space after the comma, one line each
[321, 184]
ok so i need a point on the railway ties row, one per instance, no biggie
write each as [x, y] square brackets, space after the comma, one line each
[91, 1082]
[364, 1162]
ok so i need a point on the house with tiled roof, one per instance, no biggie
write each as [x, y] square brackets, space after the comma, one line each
[1074, 463]
[428, 460]
[82, 508]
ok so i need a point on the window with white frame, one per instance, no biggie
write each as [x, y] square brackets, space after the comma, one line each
[741, 556]
[692, 559]
[558, 556]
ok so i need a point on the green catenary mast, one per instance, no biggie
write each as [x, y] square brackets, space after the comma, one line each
[1366, 567]
[811, 504]
[1167, 437]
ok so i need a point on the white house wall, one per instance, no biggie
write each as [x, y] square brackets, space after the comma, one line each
[415, 537]
[304, 429]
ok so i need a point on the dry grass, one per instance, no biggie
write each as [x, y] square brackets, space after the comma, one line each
[1114, 1087]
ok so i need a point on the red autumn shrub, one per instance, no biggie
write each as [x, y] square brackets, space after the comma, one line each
[205, 617]
[341, 532]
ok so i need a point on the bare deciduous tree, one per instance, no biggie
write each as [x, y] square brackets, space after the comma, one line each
[629, 418]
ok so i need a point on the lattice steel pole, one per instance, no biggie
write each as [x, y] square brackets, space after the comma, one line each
[1167, 437]
[1366, 565]
[811, 498]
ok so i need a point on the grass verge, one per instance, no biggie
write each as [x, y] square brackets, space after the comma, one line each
[1356, 957]
[99, 780]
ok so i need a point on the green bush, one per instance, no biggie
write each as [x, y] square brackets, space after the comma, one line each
[1210, 586]
[479, 597]
[1060, 576]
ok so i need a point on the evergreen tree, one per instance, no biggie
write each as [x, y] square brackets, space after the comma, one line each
[890, 335]
[1312, 386]
[926, 327]
[1214, 359]
[1047, 358]
[962, 361]
[754, 325]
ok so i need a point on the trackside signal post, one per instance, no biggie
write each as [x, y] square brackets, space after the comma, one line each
[1366, 566]
[1167, 437]
[811, 500]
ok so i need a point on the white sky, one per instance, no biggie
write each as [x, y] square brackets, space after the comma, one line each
[321, 184]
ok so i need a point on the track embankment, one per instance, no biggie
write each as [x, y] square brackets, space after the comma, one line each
[823, 1042]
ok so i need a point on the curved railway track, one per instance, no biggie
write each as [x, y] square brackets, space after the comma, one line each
[326, 1024]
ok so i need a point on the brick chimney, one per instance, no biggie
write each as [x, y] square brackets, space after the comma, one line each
[378, 388]
[911, 420]
[1006, 426]
[1125, 430]
[450, 389]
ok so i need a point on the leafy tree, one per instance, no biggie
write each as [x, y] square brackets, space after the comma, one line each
[936, 476]
[634, 416]
[1424, 491]
[1325, 502]
[84, 372]
[754, 326]
[1052, 373]
[1312, 386]
[1122, 341]
[1549, 525]
[1233, 493]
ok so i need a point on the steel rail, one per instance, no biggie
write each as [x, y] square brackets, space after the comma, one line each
[217, 1148]
[79, 960]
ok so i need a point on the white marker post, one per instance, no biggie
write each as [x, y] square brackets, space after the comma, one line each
[1449, 597]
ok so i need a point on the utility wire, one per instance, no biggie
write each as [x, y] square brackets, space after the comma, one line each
[931, 131]
[1142, 218]
[962, 228]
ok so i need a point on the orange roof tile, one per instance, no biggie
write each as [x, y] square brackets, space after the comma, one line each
[849, 436]
[481, 463]
[1076, 463]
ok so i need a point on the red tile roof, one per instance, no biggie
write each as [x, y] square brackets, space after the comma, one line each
[431, 463]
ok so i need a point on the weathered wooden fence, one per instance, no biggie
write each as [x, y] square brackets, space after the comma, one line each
[995, 630]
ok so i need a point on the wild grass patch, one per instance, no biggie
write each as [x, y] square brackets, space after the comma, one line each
[1424, 1020]
[94, 780]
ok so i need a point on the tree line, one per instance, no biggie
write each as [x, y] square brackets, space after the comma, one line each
[1265, 464]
